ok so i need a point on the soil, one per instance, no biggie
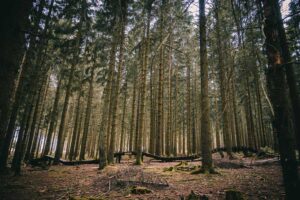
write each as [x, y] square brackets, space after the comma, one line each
[255, 179]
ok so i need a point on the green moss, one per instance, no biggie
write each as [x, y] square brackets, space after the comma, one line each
[169, 169]
[139, 190]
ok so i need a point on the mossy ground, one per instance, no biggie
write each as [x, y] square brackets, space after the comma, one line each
[87, 182]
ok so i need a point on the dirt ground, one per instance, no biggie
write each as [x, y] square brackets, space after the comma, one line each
[256, 179]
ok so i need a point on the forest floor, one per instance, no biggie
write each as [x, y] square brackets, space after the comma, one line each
[256, 179]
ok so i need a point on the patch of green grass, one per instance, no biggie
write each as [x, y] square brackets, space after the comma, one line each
[139, 190]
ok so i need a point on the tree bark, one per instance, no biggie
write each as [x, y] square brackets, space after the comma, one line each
[277, 85]
[223, 86]
[14, 20]
[122, 24]
[75, 130]
[87, 117]
[141, 131]
[53, 117]
[206, 143]
[160, 116]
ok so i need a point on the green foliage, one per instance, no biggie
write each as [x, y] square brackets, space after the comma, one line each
[139, 190]
[169, 169]
[183, 166]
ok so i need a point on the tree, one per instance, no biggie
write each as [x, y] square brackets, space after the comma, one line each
[28, 74]
[87, 115]
[148, 7]
[160, 95]
[277, 86]
[223, 85]
[122, 20]
[14, 20]
[53, 117]
[60, 141]
[206, 144]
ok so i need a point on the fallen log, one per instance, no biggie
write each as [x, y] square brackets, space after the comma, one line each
[196, 156]
[236, 149]
[48, 159]
[171, 159]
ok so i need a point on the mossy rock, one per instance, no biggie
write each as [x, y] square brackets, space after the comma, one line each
[169, 169]
[139, 190]
[194, 196]
[234, 195]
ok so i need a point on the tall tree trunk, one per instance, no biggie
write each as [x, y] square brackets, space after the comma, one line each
[107, 106]
[115, 98]
[41, 103]
[169, 131]
[78, 135]
[188, 105]
[29, 75]
[53, 117]
[218, 142]
[25, 72]
[141, 131]
[137, 121]
[75, 130]
[87, 117]
[195, 124]
[152, 110]
[33, 128]
[14, 20]
[277, 86]
[111, 83]
[223, 85]
[235, 114]
[175, 114]
[206, 143]
[160, 116]
[133, 111]
[123, 118]
[290, 74]
[102, 132]
[18, 154]
[249, 113]
[59, 145]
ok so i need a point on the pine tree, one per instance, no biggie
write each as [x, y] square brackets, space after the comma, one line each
[277, 85]
[206, 143]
